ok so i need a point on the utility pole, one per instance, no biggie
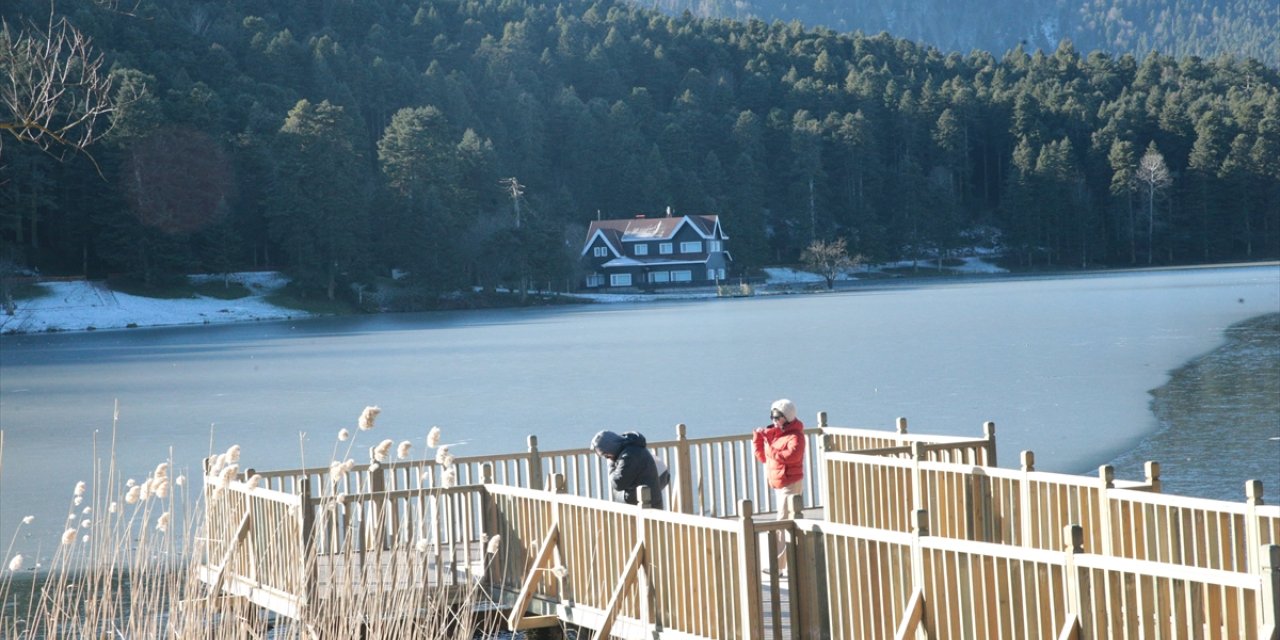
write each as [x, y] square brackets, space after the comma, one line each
[516, 190]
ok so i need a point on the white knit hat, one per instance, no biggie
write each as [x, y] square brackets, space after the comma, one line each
[784, 406]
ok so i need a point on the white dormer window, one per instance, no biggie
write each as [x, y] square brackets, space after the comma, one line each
[714, 246]
[664, 248]
[691, 247]
[642, 249]
[600, 252]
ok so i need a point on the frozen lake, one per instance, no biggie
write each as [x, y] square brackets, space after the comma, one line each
[1063, 365]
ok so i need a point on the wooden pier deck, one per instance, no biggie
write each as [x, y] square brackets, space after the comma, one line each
[901, 536]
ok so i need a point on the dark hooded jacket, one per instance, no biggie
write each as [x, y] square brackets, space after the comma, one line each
[632, 466]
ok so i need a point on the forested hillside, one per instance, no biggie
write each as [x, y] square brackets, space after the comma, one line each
[340, 140]
[1205, 28]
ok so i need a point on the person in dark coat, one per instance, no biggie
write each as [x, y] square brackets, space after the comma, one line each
[631, 465]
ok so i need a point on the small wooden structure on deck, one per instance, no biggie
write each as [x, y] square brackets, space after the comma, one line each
[904, 536]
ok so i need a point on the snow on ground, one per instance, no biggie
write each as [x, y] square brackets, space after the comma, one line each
[83, 305]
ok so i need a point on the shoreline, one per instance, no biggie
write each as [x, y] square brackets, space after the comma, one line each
[1212, 410]
[87, 306]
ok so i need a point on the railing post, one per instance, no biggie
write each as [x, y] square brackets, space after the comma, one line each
[989, 433]
[901, 428]
[535, 464]
[1253, 524]
[919, 529]
[488, 524]
[644, 589]
[310, 550]
[752, 622]
[683, 472]
[1269, 594]
[1027, 535]
[1106, 481]
[1151, 469]
[817, 485]
[828, 500]
[1073, 538]
[917, 475]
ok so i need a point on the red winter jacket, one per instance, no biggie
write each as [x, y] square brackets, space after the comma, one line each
[781, 449]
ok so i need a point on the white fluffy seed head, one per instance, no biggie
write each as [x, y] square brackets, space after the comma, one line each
[228, 474]
[367, 417]
[254, 480]
[448, 478]
[421, 546]
[80, 489]
[15, 563]
[28, 519]
[383, 449]
[233, 453]
[433, 437]
[335, 471]
[443, 457]
[402, 451]
[69, 536]
[162, 523]
[344, 435]
[162, 470]
[180, 480]
[494, 544]
[134, 495]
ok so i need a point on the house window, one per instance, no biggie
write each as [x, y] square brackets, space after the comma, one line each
[713, 274]
[595, 280]
[664, 248]
[682, 276]
[600, 252]
[660, 276]
[691, 247]
[642, 249]
[713, 246]
[619, 279]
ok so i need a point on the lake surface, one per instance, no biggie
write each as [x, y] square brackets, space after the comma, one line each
[1065, 366]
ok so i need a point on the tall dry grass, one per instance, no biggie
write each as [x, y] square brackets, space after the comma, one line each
[127, 565]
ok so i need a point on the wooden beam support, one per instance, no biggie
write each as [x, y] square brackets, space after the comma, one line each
[911, 617]
[537, 622]
[1070, 628]
[549, 542]
[627, 578]
[221, 573]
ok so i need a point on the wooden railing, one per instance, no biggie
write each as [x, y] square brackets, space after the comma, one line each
[630, 572]
[252, 545]
[1028, 508]
[909, 545]
[710, 475]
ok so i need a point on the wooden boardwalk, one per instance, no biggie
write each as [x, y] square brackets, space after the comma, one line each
[901, 536]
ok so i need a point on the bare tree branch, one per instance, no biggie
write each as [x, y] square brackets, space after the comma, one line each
[54, 93]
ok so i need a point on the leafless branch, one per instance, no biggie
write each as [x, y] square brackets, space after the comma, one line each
[55, 94]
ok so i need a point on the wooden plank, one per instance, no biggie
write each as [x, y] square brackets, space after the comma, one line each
[526, 590]
[911, 617]
[627, 578]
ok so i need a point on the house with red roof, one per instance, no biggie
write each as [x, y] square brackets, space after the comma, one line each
[646, 252]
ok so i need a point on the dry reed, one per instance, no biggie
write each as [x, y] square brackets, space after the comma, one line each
[130, 561]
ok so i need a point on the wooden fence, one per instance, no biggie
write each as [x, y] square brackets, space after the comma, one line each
[913, 542]
[1028, 508]
[630, 572]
